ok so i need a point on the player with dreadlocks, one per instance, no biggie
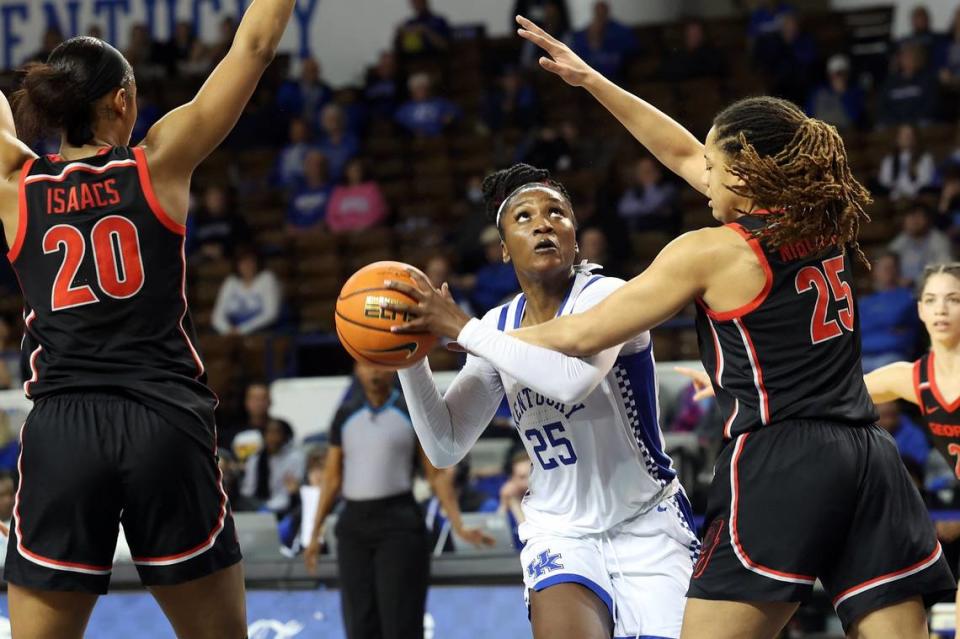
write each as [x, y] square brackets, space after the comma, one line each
[808, 487]
[609, 545]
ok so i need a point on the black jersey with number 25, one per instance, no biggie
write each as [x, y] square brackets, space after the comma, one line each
[793, 353]
[102, 270]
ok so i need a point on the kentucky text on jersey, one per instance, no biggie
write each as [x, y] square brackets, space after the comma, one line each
[79, 197]
[525, 398]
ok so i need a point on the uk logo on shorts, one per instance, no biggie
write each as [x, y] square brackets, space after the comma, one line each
[545, 562]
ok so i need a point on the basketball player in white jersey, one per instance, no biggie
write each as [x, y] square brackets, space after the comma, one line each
[609, 546]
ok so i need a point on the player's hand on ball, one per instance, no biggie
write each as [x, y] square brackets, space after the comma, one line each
[701, 382]
[476, 537]
[435, 311]
[561, 61]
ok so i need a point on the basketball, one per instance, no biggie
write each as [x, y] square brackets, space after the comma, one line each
[364, 328]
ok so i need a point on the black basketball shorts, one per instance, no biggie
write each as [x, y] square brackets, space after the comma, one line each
[800, 501]
[90, 461]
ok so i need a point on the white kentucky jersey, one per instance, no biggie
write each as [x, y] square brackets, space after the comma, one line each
[599, 461]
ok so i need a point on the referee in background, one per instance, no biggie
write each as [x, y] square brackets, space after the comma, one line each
[383, 549]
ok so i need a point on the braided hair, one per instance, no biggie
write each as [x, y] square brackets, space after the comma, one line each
[796, 168]
[499, 185]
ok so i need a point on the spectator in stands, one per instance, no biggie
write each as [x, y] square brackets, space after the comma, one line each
[468, 498]
[383, 550]
[919, 243]
[513, 104]
[288, 171]
[148, 112]
[217, 227]
[307, 208]
[908, 169]
[950, 66]
[357, 203]
[767, 18]
[225, 36]
[788, 58]
[249, 299]
[650, 202]
[10, 375]
[439, 270]
[696, 59]
[562, 148]
[594, 247]
[931, 44]
[888, 316]
[424, 114]
[424, 33]
[256, 408]
[513, 490]
[540, 11]
[910, 438]
[183, 53]
[606, 45]
[909, 96]
[838, 102]
[141, 51]
[382, 89]
[495, 280]
[554, 17]
[272, 475]
[948, 207]
[338, 143]
[52, 37]
[306, 96]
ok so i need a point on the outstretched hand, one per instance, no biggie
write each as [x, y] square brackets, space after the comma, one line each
[559, 60]
[435, 310]
[702, 386]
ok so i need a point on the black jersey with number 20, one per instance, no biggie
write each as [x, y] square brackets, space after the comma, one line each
[792, 353]
[102, 270]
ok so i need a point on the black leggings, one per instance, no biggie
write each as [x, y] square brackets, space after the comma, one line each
[383, 553]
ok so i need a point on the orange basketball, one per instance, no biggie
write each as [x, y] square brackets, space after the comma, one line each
[364, 328]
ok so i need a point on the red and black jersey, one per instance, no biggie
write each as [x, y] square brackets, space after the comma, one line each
[792, 353]
[102, 271]
[942, 418]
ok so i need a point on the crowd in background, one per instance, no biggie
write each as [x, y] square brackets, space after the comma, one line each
[332, 176]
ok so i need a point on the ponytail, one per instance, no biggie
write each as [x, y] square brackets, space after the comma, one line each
[60, 94]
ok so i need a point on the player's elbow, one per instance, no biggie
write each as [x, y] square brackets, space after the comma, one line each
[441, 458]
[261, 49]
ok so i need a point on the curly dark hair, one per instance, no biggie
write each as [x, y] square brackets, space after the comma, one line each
[796, 168]
[497, 186]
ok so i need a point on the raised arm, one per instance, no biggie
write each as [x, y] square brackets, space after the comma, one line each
[679, 274]
[892, 382]
[13, 152]
[553, 374]
[188, 134]
[449, 425]
[674, 146]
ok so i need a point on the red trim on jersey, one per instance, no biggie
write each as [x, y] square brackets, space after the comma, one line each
[105, 150]
[183, 293]
[200, 548]
[762, 295]
[923, 564]
[932, 377]
[916, 386]
[147, 185]
[22, 216]
[757, 372]
[37, 558]
[80, 166]
[738, 548]
[35, 374]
